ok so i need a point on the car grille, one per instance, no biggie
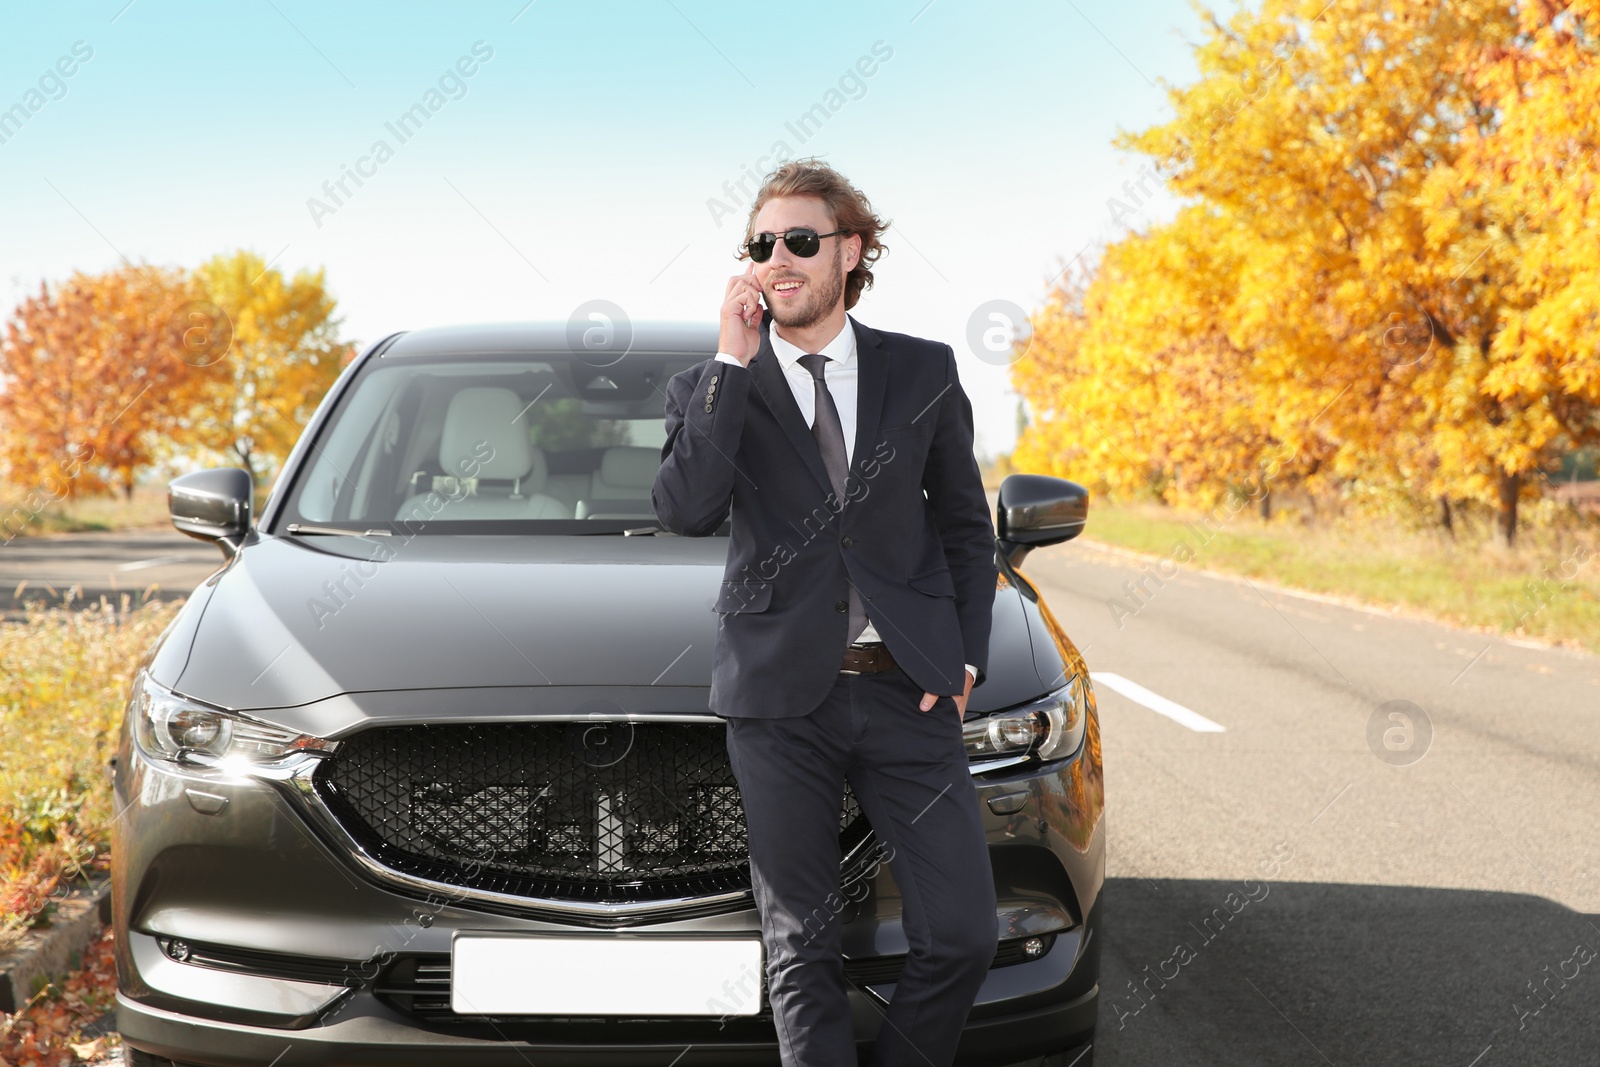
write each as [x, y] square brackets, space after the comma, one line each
[587, 811]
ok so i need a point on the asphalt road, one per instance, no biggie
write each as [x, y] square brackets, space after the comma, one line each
[1296, 877]
[1318, 882]
[81, 568]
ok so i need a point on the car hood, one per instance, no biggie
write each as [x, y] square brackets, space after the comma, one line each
[293, 621]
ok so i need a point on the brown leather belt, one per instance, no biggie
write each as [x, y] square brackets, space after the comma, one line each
[868, 660]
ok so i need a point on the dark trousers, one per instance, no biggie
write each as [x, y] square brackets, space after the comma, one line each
[909, 770]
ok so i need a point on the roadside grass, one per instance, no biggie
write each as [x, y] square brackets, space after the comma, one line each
[1548, 588]
[64, 678]
[147, 509]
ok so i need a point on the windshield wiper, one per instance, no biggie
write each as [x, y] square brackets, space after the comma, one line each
[308, 528]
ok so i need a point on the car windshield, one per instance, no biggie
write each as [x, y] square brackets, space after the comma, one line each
[542, 443]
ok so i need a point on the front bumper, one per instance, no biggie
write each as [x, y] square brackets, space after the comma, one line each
[368, 1034]
[292, 947]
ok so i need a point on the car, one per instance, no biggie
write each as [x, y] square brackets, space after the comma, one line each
[424, 772]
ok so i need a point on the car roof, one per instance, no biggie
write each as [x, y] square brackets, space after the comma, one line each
[555, 339]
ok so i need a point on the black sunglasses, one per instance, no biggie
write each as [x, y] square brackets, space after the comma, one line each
[802, 241]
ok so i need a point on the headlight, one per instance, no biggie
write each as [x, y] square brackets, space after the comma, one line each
[170, 727]
[1049, 728]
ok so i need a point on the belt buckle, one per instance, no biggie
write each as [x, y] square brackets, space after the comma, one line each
[843, 671]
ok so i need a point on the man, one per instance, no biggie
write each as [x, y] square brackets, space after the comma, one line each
[854, 614]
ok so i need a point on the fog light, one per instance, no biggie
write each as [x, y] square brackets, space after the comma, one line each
[178, 950]
[1033, 948]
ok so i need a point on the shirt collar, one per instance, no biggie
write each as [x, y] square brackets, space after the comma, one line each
[840, 350]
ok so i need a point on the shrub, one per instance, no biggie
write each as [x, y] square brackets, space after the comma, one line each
[63, 688]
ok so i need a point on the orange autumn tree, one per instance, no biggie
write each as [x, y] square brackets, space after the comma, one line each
[284, 352]
[91, 383]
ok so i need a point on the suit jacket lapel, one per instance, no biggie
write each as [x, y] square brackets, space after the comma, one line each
[872, 371]
[774, 389]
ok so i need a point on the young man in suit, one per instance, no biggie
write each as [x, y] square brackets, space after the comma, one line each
[854, 614]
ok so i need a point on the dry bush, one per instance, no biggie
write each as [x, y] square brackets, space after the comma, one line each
[64, 677]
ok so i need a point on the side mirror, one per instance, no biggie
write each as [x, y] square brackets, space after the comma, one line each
[213, 505]
[1037, 510]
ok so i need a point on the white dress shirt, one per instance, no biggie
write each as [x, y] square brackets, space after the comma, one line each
[840, 375]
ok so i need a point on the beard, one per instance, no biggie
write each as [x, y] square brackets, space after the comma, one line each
[822, 296]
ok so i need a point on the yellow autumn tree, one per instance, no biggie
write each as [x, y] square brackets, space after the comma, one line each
[1345, 324]
[283, 351]
[1315, 126]
[1516, 218]
[1136, 385]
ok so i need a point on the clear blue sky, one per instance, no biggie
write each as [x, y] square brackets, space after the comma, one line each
[582, 159]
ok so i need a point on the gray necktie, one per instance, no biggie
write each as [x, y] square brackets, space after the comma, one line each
[825, 427]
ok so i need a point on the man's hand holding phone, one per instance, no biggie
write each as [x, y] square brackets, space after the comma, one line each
[740, 335]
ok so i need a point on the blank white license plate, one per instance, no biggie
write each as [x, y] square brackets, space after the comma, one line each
[534, 974]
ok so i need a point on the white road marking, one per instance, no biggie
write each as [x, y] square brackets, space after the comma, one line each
[157, 561]
[1157, 703]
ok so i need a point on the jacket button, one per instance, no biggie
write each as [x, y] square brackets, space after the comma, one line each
[713, 379]
[708, 407]
[846, 542]
[842, 606]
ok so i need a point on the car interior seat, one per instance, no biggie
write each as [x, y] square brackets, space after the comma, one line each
[620, 488]
[509, 483]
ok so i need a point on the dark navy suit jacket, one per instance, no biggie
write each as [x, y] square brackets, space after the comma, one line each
[913, 532]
